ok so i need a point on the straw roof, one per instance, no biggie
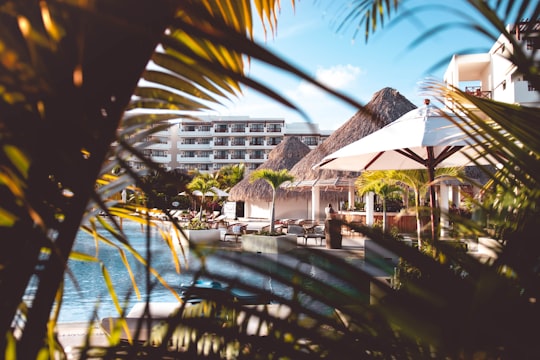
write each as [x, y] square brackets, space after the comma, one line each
[385, 106]
[283, 156]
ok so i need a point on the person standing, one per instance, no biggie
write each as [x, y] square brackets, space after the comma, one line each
[332, 229]
[329, 211]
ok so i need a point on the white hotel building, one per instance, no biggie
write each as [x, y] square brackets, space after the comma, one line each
[491, 75]
[217, 141]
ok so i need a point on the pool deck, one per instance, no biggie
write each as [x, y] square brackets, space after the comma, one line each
[72, 335]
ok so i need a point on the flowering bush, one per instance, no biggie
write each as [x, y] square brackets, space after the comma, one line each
[197, 224]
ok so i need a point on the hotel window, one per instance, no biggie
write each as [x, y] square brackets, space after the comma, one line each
[159, 153]
[274, 141]
[257, 141]
[189, 128]
[239, 154]
[189, 154]
[256, 128]
[205, 128]
[189, 141]
[274, 127]
[530, 87]
[205, 154]
[257, 154]
[239, 128]
[310, 140]
[222, 128]
[220, 155]
[204, 141]
[221, 141]
[239, 141]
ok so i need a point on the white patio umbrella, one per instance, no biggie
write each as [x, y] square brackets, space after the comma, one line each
[423, 138]
[217, 192]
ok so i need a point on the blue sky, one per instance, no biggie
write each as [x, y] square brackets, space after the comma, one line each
[310, 39]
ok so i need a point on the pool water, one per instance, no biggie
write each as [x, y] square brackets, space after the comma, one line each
[85, 291]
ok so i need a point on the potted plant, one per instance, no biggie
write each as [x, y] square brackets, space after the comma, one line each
[270, 241]
[197, 231]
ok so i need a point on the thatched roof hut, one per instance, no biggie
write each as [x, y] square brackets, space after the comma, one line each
[283, 156]
[385, 106]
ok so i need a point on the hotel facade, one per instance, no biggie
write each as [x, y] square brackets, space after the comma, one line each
[216, 141]
[491, 75]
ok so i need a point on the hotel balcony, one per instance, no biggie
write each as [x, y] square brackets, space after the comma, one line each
[478, 92]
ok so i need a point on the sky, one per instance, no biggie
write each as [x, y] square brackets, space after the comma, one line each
[309, 38]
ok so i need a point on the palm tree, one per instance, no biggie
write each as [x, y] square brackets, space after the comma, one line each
[418, 181]
[231, 175]
[204, 183]
[73, 68]
[274, 178]
[377, 182]
[75, 87]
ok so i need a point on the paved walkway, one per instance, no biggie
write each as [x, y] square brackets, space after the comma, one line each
[351, 243]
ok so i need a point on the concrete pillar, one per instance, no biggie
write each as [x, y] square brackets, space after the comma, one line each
[370, 198]
[443, 205]
[316, 203]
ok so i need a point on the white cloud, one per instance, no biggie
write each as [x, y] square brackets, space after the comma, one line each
[338, 76]
[323, 109]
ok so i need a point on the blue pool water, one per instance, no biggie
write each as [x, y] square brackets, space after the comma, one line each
[85, 290]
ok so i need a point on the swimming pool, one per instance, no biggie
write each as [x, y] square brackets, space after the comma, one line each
[85, 291]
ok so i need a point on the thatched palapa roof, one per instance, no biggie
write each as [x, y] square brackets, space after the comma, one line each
[283, 156]
[385, 106]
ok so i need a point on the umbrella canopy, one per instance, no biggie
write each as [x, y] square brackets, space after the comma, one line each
[423, 138]
[385, 106]
[217, 192]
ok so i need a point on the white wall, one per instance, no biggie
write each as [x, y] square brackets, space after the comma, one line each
[292, 208]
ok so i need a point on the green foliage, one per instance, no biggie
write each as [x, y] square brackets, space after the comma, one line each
[66, 126]
[274, 178]
[197, 224]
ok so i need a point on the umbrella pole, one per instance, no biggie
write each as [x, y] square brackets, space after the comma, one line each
[431, 176]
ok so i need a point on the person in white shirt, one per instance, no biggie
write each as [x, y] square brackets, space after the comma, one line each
[329, 211]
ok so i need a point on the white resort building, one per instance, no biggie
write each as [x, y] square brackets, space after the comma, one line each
[216, 141]
[491, 75]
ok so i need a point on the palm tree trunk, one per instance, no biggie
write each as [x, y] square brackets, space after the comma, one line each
[273, 212]
[201, 208]
[113, 59]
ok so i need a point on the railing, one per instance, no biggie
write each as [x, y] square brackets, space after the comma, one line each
[478, 92]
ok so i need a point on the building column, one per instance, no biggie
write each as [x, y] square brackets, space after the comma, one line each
[315, 202]
[370, 201]
[351, 195]
[443, 205]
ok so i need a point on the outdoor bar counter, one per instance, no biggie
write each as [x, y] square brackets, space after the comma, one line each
[405, 222]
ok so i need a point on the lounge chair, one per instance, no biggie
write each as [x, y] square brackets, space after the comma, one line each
[308, 232]
[297, 230]
[235, 230]
[218, 221]
[316, 232]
